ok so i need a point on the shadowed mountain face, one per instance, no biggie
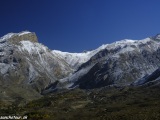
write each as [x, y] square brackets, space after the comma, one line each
[29, 69]
[121, 63]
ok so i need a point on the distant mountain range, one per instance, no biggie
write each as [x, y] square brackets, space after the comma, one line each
[29, 69]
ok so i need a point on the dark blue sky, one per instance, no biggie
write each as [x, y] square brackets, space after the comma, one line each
[77, 25]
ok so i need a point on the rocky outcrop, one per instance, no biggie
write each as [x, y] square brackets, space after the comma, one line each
[30, 36]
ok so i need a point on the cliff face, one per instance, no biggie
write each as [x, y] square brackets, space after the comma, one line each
[30, 36]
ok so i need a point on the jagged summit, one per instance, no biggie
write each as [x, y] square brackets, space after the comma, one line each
[122, 46]
[17, 37]
[156, 37]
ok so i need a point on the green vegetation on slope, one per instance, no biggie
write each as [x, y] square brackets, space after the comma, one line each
[109, 103]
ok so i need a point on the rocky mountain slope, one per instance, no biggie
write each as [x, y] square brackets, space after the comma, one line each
[122, 63]
[29, 69]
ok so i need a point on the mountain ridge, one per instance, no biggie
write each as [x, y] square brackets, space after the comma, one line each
[114, 53]
[31, 66]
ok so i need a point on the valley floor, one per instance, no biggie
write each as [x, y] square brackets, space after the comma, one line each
[109, 103]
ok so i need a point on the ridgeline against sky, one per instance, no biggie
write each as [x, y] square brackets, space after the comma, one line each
[76, 25]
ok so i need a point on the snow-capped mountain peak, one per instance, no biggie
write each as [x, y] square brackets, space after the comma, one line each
[24, 61]
[76, 59]
[157, 37]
